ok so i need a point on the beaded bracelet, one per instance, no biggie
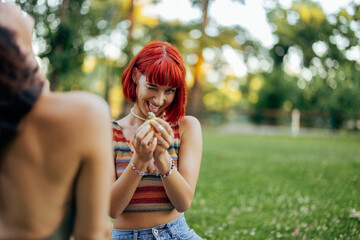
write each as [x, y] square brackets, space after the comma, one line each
[145, 172]
[171, 168]
[137, 171]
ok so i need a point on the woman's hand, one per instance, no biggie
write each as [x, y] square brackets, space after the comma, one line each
[144, 142]
[164, 135]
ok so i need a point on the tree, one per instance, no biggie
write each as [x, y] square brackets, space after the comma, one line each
[196, 92]
[62, 29]
[323, 46]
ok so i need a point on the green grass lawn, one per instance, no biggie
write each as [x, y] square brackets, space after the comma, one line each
[274, 187]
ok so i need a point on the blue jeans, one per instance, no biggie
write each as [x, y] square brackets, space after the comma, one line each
[176, 229]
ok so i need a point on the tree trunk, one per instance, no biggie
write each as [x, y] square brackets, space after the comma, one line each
[108, 81]
[54, 81]
[195, 106]
[127, 104]
[63, 9]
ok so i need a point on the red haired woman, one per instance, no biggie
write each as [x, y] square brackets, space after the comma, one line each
[157, 149]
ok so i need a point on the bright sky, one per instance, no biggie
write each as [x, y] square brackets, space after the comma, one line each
[228, 12]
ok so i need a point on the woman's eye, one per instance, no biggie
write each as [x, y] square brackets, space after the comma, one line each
[171, 90]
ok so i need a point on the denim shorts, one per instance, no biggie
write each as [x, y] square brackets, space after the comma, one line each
[176, 229]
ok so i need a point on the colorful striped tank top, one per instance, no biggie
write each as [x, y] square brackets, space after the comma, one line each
[150, 194]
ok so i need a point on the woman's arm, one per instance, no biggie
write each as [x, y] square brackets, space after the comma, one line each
[94, 177]
[124, 187]
[181, 183]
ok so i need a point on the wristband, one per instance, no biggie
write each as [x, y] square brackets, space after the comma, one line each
[137, 171]
[171, 168]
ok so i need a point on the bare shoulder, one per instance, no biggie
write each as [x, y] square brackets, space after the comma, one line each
[81, 105]
[74, 111]
[189, 124]
[189, 121]
[86, 103]
[82, 118]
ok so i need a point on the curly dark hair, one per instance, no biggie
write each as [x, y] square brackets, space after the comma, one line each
[19, 87]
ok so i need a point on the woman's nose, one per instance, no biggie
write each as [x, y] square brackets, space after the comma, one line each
[159, 99]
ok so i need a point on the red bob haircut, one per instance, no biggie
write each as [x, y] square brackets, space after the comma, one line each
[163, 65]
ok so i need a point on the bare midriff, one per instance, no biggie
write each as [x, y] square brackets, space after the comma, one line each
[143, 220]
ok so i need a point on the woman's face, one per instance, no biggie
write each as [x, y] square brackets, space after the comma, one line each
[153, 98]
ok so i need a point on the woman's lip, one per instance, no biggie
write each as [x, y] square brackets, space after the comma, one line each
[152, 109]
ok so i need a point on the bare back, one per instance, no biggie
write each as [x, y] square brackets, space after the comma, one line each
[42, 170]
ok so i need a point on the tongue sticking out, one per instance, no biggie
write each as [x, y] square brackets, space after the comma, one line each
[152, 108]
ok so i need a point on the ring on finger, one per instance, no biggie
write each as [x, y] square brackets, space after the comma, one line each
[137, 142]
[161, 128]
[162, 142]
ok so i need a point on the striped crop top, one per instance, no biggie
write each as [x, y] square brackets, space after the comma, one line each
[150, 194]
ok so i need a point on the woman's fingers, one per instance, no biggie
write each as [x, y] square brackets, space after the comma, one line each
[155, 132]
[163, 130]
[153, 144]
[162, 142]
[142, 141]
[147, 140]
[161, 126]
[142, 131]
[144, 147]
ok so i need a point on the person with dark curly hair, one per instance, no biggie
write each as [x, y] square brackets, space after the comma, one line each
[55, 148]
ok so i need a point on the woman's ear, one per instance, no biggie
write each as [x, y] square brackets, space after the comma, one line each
[134, 75]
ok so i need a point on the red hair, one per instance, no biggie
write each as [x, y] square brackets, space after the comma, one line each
[163, 65]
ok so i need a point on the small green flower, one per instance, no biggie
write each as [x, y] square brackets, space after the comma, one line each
[150, 116]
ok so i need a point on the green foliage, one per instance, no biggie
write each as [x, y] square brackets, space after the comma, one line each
[331, 84]
[68, 32]
[277, 89]
[63, 27]
[269, 187]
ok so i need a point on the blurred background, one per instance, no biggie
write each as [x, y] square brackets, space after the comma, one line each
[265, 63]
[266, 69]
